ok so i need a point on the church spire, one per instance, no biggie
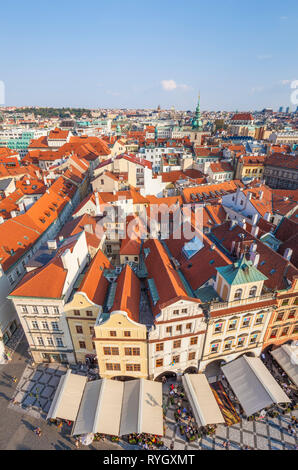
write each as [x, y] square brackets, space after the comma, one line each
[197, 123]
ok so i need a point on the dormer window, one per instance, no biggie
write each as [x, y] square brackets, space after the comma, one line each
[253, 291]
[238, 294]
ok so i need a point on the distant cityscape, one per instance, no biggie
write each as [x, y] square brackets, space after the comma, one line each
[112, 305]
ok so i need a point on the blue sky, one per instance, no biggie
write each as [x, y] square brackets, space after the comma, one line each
[132, 53]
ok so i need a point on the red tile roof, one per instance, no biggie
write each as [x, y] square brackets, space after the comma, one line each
[128, 292]
[94, 284]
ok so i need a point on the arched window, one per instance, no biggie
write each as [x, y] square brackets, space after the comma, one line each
[253, 291]
[238, 294]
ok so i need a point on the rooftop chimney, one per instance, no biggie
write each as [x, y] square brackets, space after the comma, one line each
[66, 259]
[254, 219]
[288, 253]
[52, 244]
[88, 228]
[267, 216]
[255, 258]
[255, 231]
[261, 194]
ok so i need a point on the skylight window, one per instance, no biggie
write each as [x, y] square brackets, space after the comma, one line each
[192, 247]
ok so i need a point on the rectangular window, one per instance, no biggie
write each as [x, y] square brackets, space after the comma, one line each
[89, 313]
[279, 316]
[218, 327]
[214, 347]
[55, 325]
[246, 322]
[240, 342]
[50, 341]
[169, 329]
[292, 314]
[184, 310]
[91, 329]
[175, 312]
[82, 344]
[35, 309]
[59, 342]
[285, 302]
[35, 325]
[159, 347]
[79, 329]
[45, 310]
[194, 340]
[188, 326]
[159, 363]
[285, 331]
[273, 333]
[77, 312]
[127, 333]
[40, 340]
[113, 366]
[133, 367]
[232, 324]
[56, 310]
[228, 345]
[191, 356]
[179, 328]
[175, 359]
[253, 339]
[24, 309]
[259, 319]
[177, 344]
[113, 333]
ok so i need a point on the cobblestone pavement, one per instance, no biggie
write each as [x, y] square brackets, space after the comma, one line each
[37, 386]
[35, 390]
[270, 434]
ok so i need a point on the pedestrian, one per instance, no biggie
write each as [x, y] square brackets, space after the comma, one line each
[172, 446]
[77, 443]
[14, 379]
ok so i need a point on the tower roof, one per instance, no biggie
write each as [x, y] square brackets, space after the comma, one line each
[241, 272]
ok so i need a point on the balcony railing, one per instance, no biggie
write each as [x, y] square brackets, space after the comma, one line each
[235, 303]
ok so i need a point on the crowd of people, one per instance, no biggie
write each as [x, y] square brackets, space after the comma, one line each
[146, 441]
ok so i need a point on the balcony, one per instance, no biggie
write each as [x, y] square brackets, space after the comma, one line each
[237, 303]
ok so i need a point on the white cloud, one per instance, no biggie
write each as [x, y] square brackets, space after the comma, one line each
[170, 85]
[285, 82]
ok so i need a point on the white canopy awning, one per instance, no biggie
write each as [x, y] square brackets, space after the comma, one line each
[201, 398]
[67, 398]
[253, 384]
[119, 408]
[287, 358]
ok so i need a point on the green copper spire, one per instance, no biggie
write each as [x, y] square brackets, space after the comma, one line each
[196, 122]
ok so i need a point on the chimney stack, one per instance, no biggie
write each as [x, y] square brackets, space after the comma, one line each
[88, 228]
[255, 231]
[52, 244]
[267, 216]
[288, 253]
[255, 258]
[254, 219]
[66, 259]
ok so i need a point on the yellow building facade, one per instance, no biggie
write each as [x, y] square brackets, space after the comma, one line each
[121, 346]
